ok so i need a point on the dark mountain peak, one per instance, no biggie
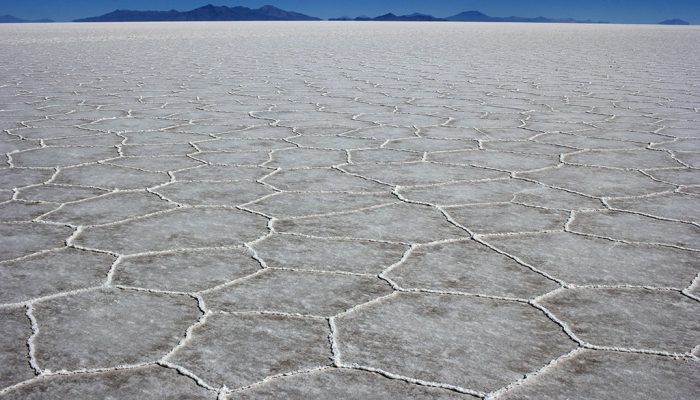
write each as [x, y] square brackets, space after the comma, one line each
[207, 12]
[473, 13]
[409, 17]
[674, 21]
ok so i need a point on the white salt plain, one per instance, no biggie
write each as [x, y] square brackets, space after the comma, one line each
[349, 210]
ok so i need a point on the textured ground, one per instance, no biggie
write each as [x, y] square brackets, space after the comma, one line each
[349, 210]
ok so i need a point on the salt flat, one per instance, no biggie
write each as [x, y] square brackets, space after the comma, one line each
[349, 210]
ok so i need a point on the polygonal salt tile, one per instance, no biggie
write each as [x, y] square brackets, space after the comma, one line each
[631, 136]
[132, 124]
[421, 173]
[383, 156]
[555, 127]
[585, 260]
[672, 205]
[109, 177]
[153, 150]
[637, 159]
[288, 204]
[685, 176]
[642, 319]
[344, 384]
[602, 375]
[449, 132]
[462, 341]
[156, 164]
[582, 142]
[51, 132]
[688, 158]
[405, 120]
[506, 218]
[58, 194]
[99, 139]
[299, 158]
[690, 145]
[398, 223]
[383, 132]
[637, 228]
[148, 382]
[17, 145]
[178, 229]
[335, 142]
[486, 123]
[467, 192]
[234, 145]
[542, 196]
[184, 271]
[260, 132]
[214, 193]
[470, 267]
[163, 137]
[297, 292]
[15, 329]
[497, 160]
[527, 147]
[108, 208]
[18, 177]
[110, 327]
[220, 173]
[15, 211]
[425, 144]
[52, 272]
[62, 156]
[22, 239]
[262, 346]
[299, 252]
[228, 158]
[322, 180]
[599, 182]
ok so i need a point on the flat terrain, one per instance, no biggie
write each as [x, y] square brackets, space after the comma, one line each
[349, 210]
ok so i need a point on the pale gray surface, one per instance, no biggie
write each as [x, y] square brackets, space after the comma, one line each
[597, 375]
[184, 207]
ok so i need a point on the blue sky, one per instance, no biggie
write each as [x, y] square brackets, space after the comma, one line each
[622, 11]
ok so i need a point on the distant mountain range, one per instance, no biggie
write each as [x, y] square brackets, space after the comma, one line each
[466, 16]
[477, 16]
[674, 21]
[205, 13]
[9, 19]
[271, 13]
[392, 17]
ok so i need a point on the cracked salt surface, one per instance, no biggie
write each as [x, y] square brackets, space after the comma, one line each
[501, 216]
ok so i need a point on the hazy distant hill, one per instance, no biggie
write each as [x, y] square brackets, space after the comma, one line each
[466, 16]
[9, 19]
[409, 17]
[477, 16]
[206, 13]
[674, 21]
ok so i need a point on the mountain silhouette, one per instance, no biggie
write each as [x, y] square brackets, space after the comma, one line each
[674, 21]
[478, 16]
[9, 19]
[205, 13]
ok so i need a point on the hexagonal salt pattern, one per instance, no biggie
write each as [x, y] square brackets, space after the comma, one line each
[466, 342]
[599, 375]
[263, 345]
[150, 382]
[348, 221]
[110, 327]
[663, 321]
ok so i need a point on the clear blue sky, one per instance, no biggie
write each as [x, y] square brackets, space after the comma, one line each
[622, 11]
